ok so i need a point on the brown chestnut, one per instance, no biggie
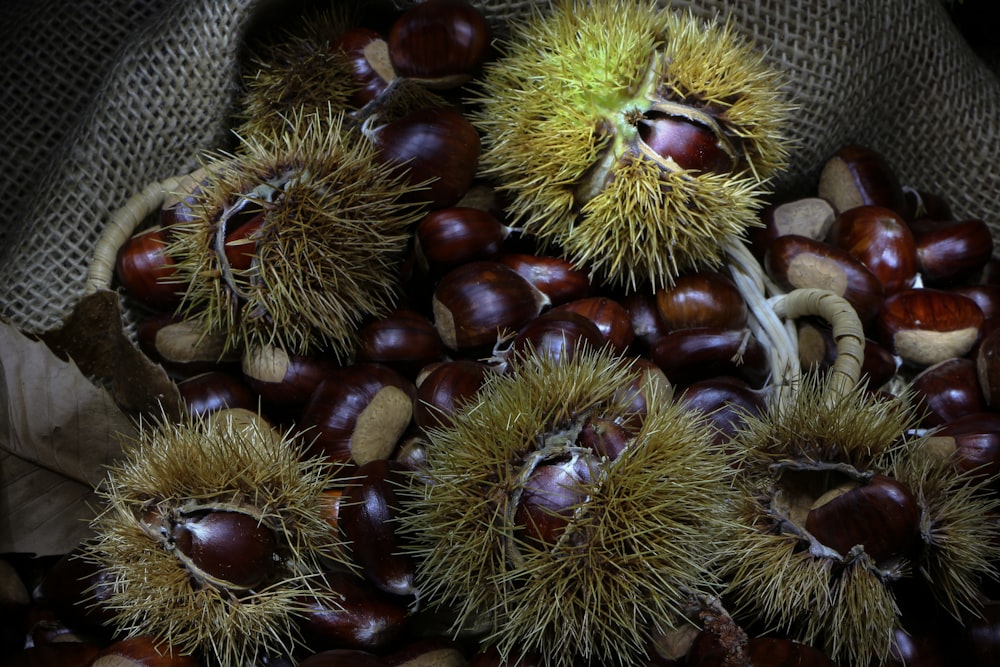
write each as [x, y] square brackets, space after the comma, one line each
[953, 251]
[881, 515]
[474, 303]
[611, 318]
[142, 651]
[456, 235]
[558, 279]
[857, 175]
[371, 67]
[229, 547]
[366, 617]
[368, 519]
[948, 390]
[444, 388]
[689, 355]
[182, 346]
[811, 217]
[924, 326]
[702, 299]
[283, 379]
[558, 335]
[440, 43]
[358, 413]
[147, 272]
[216, 390]
[403, 340]
[881, 240]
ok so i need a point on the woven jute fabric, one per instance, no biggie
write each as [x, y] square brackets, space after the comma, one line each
[102, 97]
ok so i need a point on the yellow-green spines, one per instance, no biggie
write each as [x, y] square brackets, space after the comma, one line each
[558, 111]
[643, 543]
[334, 232]
[224, 462]
[782, 577]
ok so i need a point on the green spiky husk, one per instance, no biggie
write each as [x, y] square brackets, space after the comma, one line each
[648, 537]
[334, 235]
[846, 604]
[553, 111]
[216, 462]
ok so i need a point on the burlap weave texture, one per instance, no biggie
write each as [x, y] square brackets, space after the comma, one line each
[102, 97]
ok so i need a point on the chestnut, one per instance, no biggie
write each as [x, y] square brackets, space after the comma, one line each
[952, 251]
[558, 279]
[57, 654]
[726, 403]
[358, 413]
[818, 349]
[881, 240]
[797, 261]
[688, 143]
[857, 175]
[987, 367]
[440, 43]
[216, 390]
[367, 618]
[948, 390]
[182, 346]
[431, 651]
[368, 520]
[443, 388]
[456, 235]
[232, 547]
[436, 147]
[240, 245]
[343, 657]
[371, 67]
[881, 515]
[644, 314]
[475, 302]
[549, 497]
[283, 379]
[689, 355]
[811, 217]
[403, 340]
[555, 334]
[702, 299]
[924, 326]
[981, 639]
[75, 589]
[610, 317]
[147, 272]
[604, 437]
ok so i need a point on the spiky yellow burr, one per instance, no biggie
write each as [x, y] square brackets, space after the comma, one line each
[637, 139]
[213, 538]
[572, 526]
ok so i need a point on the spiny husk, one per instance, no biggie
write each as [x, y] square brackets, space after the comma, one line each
[958, 525]
[223, 462]
[649, 535]
[843, 605]
[334, 235]
[554, 113]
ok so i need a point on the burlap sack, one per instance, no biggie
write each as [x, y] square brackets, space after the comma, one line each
[102, 97]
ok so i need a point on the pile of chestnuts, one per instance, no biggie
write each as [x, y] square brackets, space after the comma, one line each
[431, 335]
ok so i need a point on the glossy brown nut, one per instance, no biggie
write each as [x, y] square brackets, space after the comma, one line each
[445, 388]
[796, 262]
[556, 335]
[59, 654]
[916, 649]
[231, 547]
[283, 379]
[604, 437]
[881, 515]
[548, 499]
[637, 392]
[924, 326]
[948, 390]
[558, 279]
[726, 403]
[433, 651]
[371, 69]
[75, 589]
[474, 302]
[369, 515]
[951, 252]
[216, 390]
[240, 246]
[439, 147]
[610, 317]
[456, 235]
[441, 43]
[182, 347]
[647, 324]
[881, 240]
[688, 143]
[142, 651]
[147, 272]
[702, 299]
[922, 204]
[981, 638]
[358, 413]
[690, 355]
[811, 217]
[857, 175]
[366, 617]
[404, 340]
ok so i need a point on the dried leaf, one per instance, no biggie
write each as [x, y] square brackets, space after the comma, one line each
[94, 337]
[58, 431]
